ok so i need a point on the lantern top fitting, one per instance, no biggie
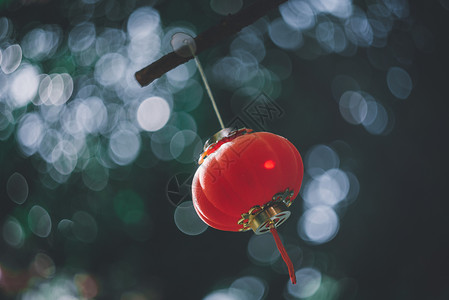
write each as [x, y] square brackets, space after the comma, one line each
[223, 136]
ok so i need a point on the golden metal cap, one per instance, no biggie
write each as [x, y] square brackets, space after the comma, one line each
[216, 137]
[275, 215]
[260, 218]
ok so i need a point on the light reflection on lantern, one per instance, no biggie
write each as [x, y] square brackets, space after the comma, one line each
[269, 164]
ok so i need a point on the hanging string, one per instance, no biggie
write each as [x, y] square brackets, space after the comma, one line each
[285, 257]
[206, 84]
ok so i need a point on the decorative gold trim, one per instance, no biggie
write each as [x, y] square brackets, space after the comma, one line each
[221, 137]
[216, 137]
[285, 196]
[260, 218]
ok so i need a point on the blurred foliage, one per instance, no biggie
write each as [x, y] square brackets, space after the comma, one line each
[93, 166]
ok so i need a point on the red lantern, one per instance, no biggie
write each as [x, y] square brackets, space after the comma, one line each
[247, 180]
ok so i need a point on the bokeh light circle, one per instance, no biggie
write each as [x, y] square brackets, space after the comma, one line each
[64, 157]
[13, 233]
[319, 159]
[81, 37]
[379, 120]
[187, 220]
[30, 132]
[183, 44]
[17, 188]
[24, 85]
[353, 107]
[262, 249]
[161, 140]
[186, 146]
[298, 14]
[11, 58]
[124, 146]
[226, 7]
[248, 288]
[285, 36]
[308, 282]
[328, 189]
[221, 295]
[399, 82]
[84, 226]
[39, 221]
[318, 225]
[153, 113]
[94, 175]
[110, 69]
[143, 22]
[91, 114]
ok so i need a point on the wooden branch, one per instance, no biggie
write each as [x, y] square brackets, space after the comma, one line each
[229, 26]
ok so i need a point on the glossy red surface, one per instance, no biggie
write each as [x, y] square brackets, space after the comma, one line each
[242, 173]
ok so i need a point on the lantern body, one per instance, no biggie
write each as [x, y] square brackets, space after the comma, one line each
[244, 173]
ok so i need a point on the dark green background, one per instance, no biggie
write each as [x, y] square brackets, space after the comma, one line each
[393, 240]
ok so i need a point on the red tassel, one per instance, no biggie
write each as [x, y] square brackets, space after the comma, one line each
[288, 262]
